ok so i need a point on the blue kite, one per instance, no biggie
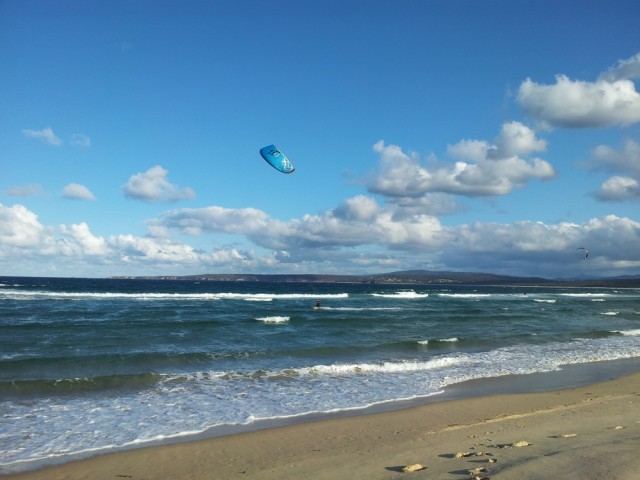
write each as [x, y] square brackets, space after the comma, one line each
[277, 159]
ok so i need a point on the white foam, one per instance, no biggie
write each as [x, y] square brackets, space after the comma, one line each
[585, 295]
[361, 309]
[274, 319]
[385, 367]
[409, 294]
[629, 333]
[255, 297]
[465, 295]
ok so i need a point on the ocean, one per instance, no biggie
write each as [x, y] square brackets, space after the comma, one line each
[88, 366]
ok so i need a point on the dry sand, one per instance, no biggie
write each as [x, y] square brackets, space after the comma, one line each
[590, 432]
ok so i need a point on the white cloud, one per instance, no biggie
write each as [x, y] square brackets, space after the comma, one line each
[629, 68]
[625, 161]
[30, 190]
[153, 186]
[618, 188]
[193, 221]
[516, 139]
[480, 169]
[86, 242]
[19, 227]
[80, 140]
[611, 100]
[45, 135]
[361, 208]
[75, 191]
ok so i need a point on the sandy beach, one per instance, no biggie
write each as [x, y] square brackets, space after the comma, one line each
[589, 432]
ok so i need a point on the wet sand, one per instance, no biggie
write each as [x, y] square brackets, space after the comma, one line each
[586, 432]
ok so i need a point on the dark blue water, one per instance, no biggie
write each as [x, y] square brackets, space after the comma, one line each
[88, 365]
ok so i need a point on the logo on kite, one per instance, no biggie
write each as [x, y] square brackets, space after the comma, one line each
[277, 159]
[586, 252]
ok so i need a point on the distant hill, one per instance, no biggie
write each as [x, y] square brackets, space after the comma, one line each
[406, 277]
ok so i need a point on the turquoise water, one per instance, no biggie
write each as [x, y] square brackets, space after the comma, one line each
[92, 365]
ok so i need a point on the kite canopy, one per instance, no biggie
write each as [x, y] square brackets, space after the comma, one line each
[586, 252]
[277, 159]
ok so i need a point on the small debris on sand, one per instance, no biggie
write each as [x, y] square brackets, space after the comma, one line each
[521, 444]
[416, 467]
[471, 454]
[478, 470]
[569, 435]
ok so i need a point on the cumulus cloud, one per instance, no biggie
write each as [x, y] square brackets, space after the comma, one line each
[193, 221]
[480, 168]
[153, 186]
[45, 135]
[30, 190]
[76, 191]
[617, 189]
[626, 162]
[19, 227]
[360, 208]
[629, 68]
[611, 100]
[78, 236]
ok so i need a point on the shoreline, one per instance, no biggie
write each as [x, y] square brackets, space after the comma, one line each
[516, 392]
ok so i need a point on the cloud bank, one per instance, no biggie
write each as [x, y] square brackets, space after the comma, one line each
[358, 235]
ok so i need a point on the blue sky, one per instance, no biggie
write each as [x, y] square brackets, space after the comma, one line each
[486, 135]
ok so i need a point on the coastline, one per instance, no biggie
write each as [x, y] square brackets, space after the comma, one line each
[592, 400]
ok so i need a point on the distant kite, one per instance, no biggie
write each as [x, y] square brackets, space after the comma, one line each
[277, 159]
[586, 252]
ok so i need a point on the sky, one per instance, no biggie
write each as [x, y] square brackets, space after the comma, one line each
[455, 135]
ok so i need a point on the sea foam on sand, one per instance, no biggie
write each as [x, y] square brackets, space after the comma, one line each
[588, 432]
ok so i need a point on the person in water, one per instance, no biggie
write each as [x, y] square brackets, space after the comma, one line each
[317, 303]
